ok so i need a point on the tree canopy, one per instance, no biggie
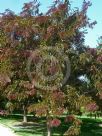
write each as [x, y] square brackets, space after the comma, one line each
[42, 60]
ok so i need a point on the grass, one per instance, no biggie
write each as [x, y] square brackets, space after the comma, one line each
[90, 126]
[14, 122]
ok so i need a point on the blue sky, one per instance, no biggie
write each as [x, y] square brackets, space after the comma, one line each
[94, 13]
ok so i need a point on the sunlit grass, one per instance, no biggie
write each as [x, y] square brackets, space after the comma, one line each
[90, 126]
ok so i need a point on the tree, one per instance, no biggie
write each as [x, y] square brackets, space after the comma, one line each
[92, 59]
[46, 41]
[20, 95]
[96, 74]
[5, 74]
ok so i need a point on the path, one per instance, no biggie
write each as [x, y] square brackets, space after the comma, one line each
[5, 131]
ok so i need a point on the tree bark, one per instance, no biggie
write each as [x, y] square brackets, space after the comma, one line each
[48, 130]
[24, 114]
[48, 127]
[95, 116]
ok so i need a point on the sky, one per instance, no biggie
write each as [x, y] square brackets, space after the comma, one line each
[94, 13]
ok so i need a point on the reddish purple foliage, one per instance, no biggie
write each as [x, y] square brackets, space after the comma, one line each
[12, 96]
[30, 8]
[31, 92]
[70, 118]
[99, 58]
[62, 6]
[3, 113]
[86, 5]
[92, 107]
[92, 51]
[55, 123]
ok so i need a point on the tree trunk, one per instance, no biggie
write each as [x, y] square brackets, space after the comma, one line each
[95, 116]
[48, 127]
[24, 114]
[48, 130]
[90, 115]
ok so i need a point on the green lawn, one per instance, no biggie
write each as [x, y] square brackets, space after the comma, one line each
[90, 127]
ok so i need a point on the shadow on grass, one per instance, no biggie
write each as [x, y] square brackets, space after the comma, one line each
[37, 126]
[91, 127]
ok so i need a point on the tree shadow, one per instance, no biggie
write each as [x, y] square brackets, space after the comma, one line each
[90, 127]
